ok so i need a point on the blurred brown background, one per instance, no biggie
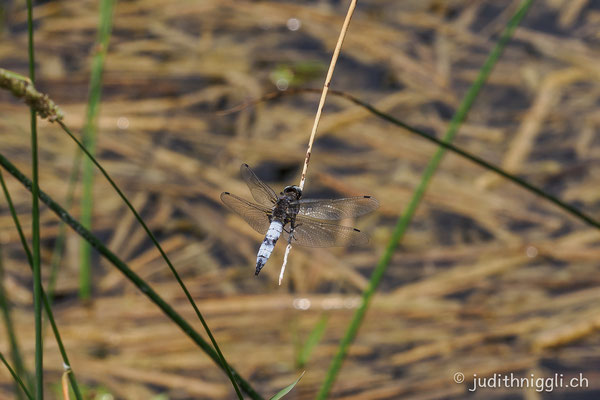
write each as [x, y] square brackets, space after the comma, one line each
[488, 279]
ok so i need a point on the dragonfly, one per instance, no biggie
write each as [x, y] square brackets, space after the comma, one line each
[306, 222]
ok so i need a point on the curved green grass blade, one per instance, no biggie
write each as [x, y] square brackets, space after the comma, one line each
[406, 217]
[287, 389]
[153, 239]
[448, 146]
[46, 302]
[188, 295]
[59, 244]
[477, 160]
[15, 376]
[15, 350]
[131, 275]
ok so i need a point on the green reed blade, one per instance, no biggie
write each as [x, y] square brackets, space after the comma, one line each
[45, 300]
[15, 376]
[311, 342]
[406, 217]
[188, 295]
[89, 138]
[287, 389]
[477, 160]
[15, 350]
[132, 276]
[35, 221]
[59, 244]
[448, 146]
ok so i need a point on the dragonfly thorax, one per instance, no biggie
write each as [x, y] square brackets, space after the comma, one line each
[287, 206]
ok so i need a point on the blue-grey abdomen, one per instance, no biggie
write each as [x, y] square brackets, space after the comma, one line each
[268, 244]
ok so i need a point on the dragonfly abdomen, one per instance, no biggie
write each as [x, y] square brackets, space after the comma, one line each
[268, 244]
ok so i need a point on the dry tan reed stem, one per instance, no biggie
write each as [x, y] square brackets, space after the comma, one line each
[287, 252]
[334, 58]
[65, 384]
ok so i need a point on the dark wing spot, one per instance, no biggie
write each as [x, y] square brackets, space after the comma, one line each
[356, 229]
[226, 193]
[367, 197]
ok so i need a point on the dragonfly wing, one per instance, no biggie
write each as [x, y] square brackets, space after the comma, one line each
[256, 216]
[261, 192]
[311, 232]
[337, 208]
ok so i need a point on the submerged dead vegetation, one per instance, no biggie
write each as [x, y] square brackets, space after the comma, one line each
[488, 279]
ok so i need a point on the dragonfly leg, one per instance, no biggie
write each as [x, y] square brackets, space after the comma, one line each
[293, 227]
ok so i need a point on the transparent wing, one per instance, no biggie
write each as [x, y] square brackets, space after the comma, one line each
[256, 216]
[314, 233]
[261, 192]
[338, 208]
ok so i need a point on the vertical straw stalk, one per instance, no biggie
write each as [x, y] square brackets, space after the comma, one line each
[313, 133]
[35, 217]
[334, 58]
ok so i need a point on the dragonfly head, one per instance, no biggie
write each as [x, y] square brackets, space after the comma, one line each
[292, 190]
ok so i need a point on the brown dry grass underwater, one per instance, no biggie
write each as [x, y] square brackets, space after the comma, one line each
[488, 279]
